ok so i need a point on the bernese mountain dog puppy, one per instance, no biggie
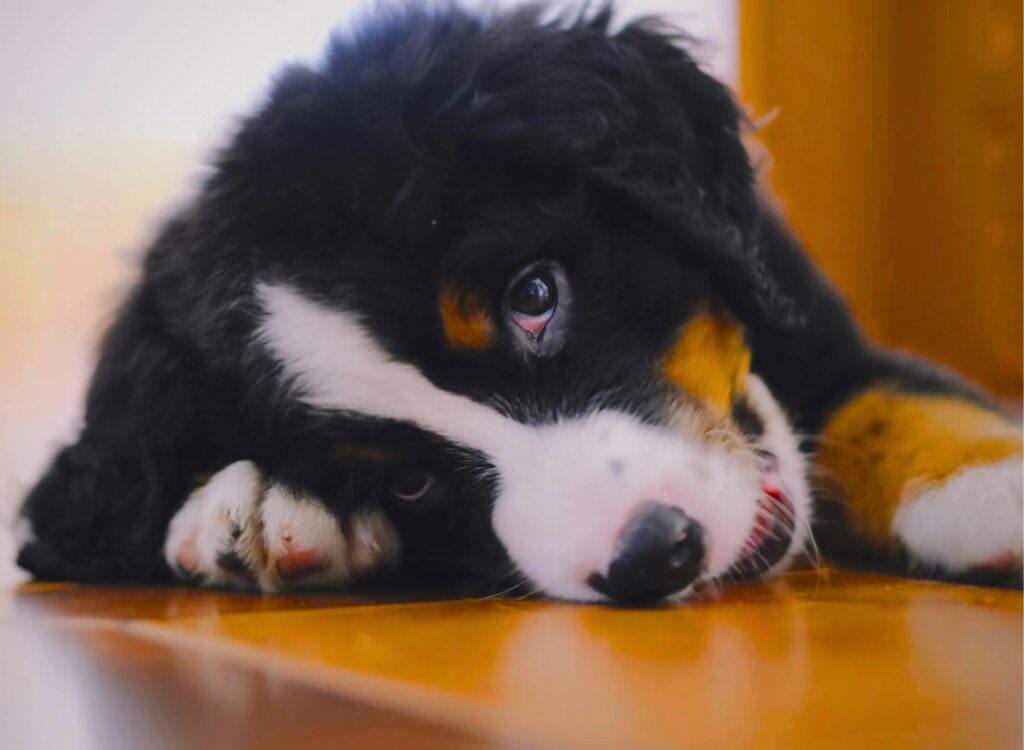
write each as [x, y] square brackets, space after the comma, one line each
[492, 297]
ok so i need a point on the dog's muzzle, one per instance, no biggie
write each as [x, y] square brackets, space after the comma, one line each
[661, 551]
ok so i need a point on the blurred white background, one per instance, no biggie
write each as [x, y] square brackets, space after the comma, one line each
[108, 109]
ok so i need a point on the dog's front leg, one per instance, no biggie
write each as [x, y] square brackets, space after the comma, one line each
[935, 476]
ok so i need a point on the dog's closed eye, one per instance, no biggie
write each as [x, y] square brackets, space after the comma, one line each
[410, 486]
[415, 490]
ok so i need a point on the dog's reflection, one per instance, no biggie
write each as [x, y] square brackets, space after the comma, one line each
[764, 668]
[699, 674]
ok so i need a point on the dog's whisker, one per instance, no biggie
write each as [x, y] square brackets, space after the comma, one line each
[505, 592]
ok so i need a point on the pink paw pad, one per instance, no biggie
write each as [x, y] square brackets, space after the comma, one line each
[299, 563]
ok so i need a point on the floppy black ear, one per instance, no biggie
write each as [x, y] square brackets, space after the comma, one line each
[703, 114]
[699, 180]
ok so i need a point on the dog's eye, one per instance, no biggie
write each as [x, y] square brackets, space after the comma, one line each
[537, 307]
[533, 301]
[410, 486]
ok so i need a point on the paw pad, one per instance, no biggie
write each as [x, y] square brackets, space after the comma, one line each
[297, 564]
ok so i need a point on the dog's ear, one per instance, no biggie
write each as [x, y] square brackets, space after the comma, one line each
[697, 114]
[698, 180]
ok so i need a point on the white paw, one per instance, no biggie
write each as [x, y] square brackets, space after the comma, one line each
[974, 519]
[239, 530]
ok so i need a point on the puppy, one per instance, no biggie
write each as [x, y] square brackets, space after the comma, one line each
[492, 298]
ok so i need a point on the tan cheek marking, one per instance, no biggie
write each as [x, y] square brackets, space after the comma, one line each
[710, 361]
[467, 324]
[883, 441]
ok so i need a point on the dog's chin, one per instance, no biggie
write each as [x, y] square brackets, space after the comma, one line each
[775, 537]
[780, 530]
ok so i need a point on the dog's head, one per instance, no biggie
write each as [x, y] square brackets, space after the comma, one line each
[528, 246]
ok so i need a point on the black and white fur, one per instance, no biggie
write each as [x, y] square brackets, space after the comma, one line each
[281, 360]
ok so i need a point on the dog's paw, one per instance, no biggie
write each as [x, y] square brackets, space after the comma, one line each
[240, 530]
[972, 521]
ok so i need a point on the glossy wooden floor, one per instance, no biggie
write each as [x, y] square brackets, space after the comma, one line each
[855, 661]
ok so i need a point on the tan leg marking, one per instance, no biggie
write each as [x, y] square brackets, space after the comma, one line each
[883, 445]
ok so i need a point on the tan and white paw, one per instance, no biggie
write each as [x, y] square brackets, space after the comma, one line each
[239, 530]
[975, 519]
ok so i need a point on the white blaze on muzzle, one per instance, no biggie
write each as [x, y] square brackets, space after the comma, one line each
[565, 489]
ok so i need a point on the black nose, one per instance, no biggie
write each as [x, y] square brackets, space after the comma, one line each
[660, 551]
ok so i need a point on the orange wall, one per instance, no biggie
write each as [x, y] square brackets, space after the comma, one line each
[896, 153]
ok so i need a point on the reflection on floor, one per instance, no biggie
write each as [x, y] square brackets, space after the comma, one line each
[846, 661]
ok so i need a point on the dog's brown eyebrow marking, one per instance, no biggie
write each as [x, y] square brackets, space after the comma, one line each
[467, 323]
[710, 360]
